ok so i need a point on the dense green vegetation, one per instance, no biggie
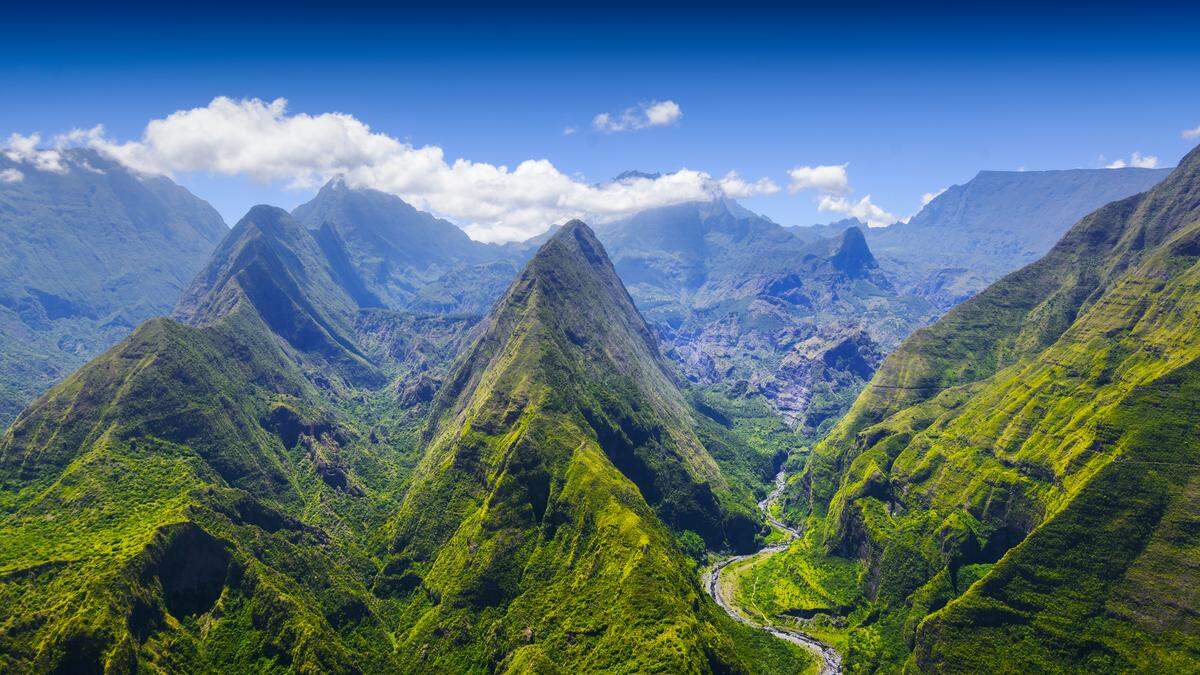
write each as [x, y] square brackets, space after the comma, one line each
[532, 517]
[1017, 484]
[245, 491]
[191, 500]
[325, 461]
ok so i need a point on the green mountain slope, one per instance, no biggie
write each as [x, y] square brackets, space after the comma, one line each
[230, 491]
[534, 526]
[203, 497]
[152, 508]
[1018, 480]
[86, 254]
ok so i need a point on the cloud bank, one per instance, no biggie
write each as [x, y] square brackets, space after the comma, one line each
[1137, 160]
[862, 209]
[644, 116]
[732, 185]
[1190, 134]
[263, 140]
[26, 149]
[832, 182]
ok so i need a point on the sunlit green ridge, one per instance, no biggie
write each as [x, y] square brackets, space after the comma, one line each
[535, 522]
[1019, 480]
[235, 490]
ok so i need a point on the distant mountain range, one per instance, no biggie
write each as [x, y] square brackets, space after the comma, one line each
[738, 303]
[975, 233]
[743, 304]
[87, 254]
[400, 257]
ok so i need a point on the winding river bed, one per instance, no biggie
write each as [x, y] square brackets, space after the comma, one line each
[831, 661]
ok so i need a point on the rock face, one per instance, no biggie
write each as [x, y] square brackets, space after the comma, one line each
[820, 376]
[975, 233]
[744, 305]
[853, 258]
[395, 256]
[1023, 440]
[86, 254]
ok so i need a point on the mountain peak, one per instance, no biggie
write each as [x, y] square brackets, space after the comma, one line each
[397, 251]
[853, 256]
[559, 418]
[264, 215]
[581, 239]
[575, 225]
[565, 330]
[573, 274]
[272, 269]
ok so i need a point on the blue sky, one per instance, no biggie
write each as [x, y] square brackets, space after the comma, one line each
[910, 100]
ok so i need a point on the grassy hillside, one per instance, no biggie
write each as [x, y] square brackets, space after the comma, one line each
[183, 502]
[537, 523]
[211, 496]
[1017, 481]
[251, 491]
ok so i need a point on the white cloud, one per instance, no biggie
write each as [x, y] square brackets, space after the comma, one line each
[1137, 159]
[735, 187]
[862, 209]
[1191, 133]
[830, 179]
[662, 113]
[643, 116]
[833, 182]
[11, 176]
[25, 149]
[30, 150]
[930, 196]
[263, 140]
[569, 131]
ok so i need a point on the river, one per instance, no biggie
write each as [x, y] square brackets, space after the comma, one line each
[831, 661]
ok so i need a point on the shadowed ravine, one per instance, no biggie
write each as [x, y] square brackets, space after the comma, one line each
[831, 661]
